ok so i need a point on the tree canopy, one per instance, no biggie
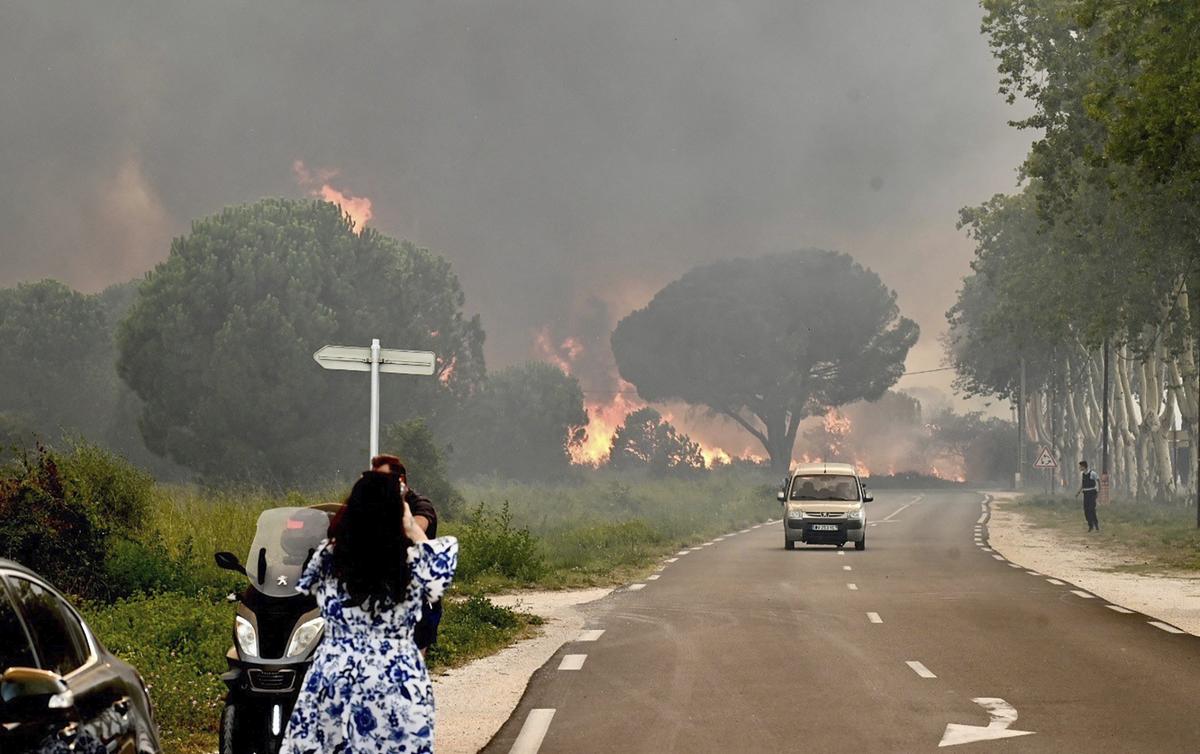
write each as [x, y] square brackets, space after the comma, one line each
[768, 341]
[521, 423]
[218, 344]
[647, 441]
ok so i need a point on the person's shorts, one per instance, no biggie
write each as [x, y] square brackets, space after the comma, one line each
[425, 634]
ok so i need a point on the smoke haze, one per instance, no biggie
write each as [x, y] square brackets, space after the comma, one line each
[569, 158]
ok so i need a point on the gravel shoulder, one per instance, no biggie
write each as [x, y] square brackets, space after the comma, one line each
[1173, 597]
[473, 701]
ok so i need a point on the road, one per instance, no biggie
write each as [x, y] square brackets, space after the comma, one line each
[742, 646]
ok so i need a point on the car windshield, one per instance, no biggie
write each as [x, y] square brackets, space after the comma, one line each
[834, 487]
[284, 540]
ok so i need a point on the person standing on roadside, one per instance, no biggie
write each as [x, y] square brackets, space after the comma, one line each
[425, 516]
[1089, 487]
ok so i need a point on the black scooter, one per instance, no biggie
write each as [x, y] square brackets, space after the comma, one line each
[276, 629]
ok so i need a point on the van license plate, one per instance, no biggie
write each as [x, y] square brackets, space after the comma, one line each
[824, 527]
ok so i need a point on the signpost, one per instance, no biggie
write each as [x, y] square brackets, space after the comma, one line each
[1045, 460]
[374, 359]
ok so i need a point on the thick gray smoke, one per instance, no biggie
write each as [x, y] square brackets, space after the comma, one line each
[556, 151]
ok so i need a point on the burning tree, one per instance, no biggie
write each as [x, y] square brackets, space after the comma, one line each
[768, 341]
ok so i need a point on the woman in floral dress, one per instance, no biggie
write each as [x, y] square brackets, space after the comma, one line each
[368, 690]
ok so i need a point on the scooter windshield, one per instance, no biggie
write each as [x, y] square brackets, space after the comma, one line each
[284, 540]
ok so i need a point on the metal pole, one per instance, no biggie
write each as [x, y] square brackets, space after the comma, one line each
[1021, 428]
[374, 398]
[1104, 412]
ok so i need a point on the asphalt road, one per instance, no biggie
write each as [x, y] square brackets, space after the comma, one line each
[743, 646]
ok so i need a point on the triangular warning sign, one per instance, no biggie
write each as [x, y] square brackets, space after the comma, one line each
[1045, 460]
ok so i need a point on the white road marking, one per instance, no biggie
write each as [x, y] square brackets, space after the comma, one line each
[1056, 582]
[874, 618]
[672, 560]
[847, 568]
[896, 512]
[706, 544]
[1014, 565]
[1033, 573]
[592, 634]
[683, 552]
[1003, 715]
[841, 552]
[988, 549]
[1119, 609]
[1085, 595]
[533, 732]
[852, 587]
[572, 662]
[998, 557]
[635, 587]
[982, 517]
[696, 549]
[721, 539]
[653, 577]
[1166, 627]
[744, 531]
[920, 669]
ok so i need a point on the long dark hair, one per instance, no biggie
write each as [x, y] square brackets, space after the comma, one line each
[370, 548]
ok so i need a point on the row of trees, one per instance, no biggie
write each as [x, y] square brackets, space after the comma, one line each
[1100, 250]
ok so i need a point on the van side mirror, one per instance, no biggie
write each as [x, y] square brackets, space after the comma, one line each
[230, 562]
[28, 695]
[867, 497]
[780, 496]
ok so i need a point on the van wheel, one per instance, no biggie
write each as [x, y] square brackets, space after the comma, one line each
[861, 544]
[788, 544]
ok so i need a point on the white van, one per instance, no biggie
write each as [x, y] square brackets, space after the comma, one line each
[823, 504]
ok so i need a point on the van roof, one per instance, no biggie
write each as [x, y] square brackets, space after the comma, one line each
[824, 468]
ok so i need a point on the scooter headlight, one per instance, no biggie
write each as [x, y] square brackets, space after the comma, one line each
[305, 636]
[247, 637]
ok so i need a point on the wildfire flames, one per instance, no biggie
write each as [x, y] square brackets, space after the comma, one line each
[316, 183]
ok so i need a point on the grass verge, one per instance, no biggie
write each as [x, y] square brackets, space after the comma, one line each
[1157, 537]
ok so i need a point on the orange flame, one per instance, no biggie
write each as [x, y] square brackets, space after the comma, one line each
[359, 208]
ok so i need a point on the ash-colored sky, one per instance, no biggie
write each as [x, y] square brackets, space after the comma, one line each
[557, 151]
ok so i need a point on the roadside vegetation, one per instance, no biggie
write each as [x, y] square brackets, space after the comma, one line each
[1158, 537]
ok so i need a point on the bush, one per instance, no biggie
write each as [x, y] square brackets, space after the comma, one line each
[118, 493]
[491, 546]
[600, 548]
[44, 528]
[425, 462]
[178, 644]
[474, 628]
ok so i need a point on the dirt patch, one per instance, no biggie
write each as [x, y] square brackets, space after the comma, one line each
[1172, 596]
[475, 700]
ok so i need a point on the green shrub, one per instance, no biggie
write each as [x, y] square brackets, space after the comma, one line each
[44, 528]
[178, 644]
[473, 628]
[118, 493]
[599, 548]
[489, 545]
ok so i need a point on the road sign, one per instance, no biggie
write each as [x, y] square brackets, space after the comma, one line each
[374, 359]
[1045, 460]
[391, 360]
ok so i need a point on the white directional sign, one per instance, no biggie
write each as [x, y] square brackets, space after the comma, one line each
[391, 360]
[1045, 460]
[1003, 715]
[374, 359]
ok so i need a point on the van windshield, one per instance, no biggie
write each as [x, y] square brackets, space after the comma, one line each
[834, 487]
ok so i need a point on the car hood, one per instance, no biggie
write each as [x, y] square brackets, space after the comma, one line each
[823, 506]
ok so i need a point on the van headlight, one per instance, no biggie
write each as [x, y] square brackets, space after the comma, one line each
[855, 515]
[247, 637]
[305, 636]
[795, 514]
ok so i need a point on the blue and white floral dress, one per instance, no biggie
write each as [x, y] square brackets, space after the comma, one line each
[368, 691]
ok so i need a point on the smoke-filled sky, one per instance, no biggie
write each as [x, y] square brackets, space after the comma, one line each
[556, 151]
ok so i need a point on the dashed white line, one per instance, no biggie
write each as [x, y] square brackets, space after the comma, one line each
[841, 552]
[1166, 627]
[572, 662]
[1033, 573]
[683, 552]
[982, 518]
[744, 531]
[672, 560]
[874, 618]
[635, 587]
[652, 577]
[852, 587]
[1014, 565]
[998, 557]
[720, 539]
[592, 634]
[533, 732]
[1085, 595]
[1055, 582]
[847, 568]
[897, 511]
[920, 669]
[988, 549]
[1119, 609]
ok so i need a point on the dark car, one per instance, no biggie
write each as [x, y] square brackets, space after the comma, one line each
[61, 691]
